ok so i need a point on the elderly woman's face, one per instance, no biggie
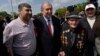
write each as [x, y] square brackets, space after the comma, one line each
[90, 12]
[73, 22]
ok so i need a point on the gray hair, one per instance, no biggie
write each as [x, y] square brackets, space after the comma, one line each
[44, 4]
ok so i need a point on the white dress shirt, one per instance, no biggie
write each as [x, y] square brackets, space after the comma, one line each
[52, 28]
[91, 21]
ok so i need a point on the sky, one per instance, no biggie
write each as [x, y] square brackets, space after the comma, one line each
[7, 5]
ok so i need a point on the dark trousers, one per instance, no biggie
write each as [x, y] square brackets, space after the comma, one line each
[16, 54]
[90, 50]
[20, 55]
[3, 50]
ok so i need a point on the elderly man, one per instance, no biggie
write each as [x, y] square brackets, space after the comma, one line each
[74, 37]
[19, 34]
[89, 23]
[48, 32]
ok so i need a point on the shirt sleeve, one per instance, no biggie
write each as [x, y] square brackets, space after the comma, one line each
[7, 36]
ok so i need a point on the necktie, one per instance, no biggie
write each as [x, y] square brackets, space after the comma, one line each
[49, 27]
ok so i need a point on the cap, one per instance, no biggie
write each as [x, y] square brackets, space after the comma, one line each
[89, 6]
[73, 15]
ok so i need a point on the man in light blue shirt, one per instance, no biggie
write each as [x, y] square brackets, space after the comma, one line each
[19, 35]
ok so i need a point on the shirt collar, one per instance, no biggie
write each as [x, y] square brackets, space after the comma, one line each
[22, 23]
[93, 18]
[47, 19]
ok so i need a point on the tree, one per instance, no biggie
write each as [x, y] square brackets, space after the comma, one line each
[39, 14]
[60, 12]
[4, 14]
[14, 15]
[80, 7]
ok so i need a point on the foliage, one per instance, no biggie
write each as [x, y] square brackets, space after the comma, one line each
[60, 12]
[80, 7]
[14, 15]
[4, 14]
[38, 15]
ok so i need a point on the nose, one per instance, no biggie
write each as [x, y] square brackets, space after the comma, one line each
[74, 21]
[30, 12]
[49, 10]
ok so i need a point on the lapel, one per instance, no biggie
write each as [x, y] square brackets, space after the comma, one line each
[95, 22]
[96, 26]
[54, 24]
[45, 24]
[86, 24]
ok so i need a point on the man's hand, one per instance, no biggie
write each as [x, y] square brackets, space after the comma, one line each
[61, 53]
[10, 52]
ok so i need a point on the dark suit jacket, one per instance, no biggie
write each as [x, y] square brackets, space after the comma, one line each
[48, 45]
[91, 35]
[3, 50]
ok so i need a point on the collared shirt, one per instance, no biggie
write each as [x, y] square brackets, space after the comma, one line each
[20, 37]
[91, 21]
[52, 28]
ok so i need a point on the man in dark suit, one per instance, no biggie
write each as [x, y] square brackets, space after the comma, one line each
[89, 23]
[48, 30]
